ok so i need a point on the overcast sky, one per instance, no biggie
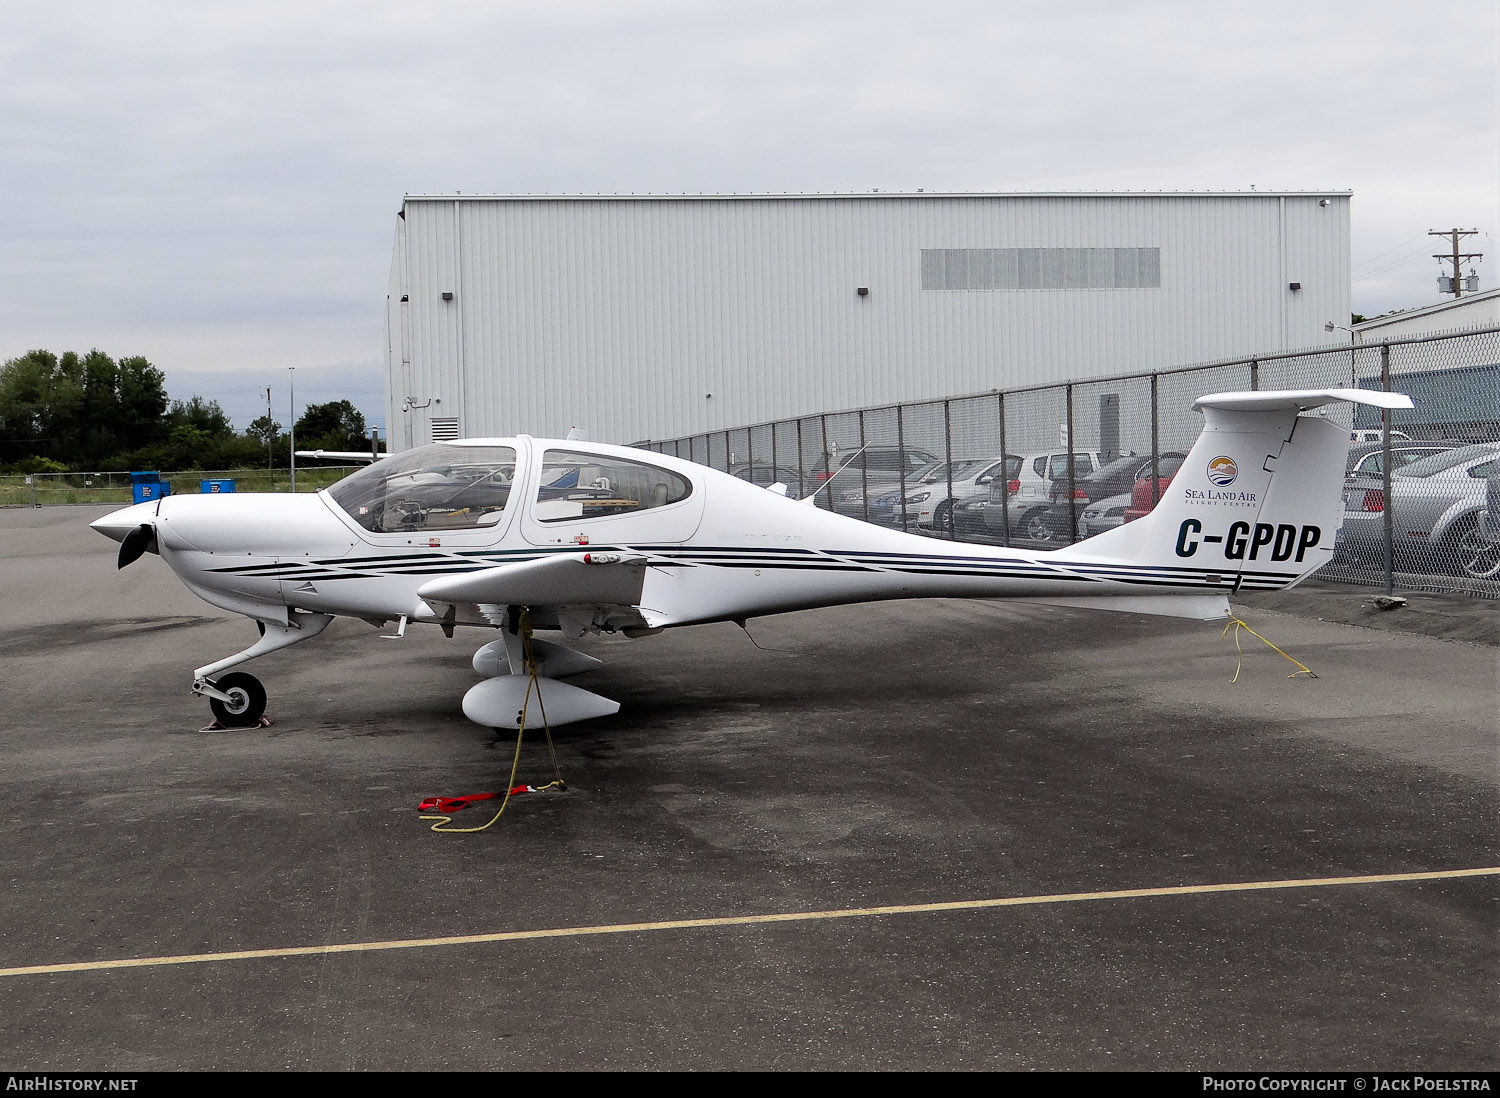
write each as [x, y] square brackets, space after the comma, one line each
[214, 185]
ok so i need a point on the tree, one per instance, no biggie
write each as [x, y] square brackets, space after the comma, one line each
[142, 391]
[337, 425]
[79, 409]
[91, 412]
[25, 397]
[265, 432]
[202, 415]
[186, 448]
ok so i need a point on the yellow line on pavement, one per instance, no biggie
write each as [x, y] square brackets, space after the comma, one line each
[735, 920]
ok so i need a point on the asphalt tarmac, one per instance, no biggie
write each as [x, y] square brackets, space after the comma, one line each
[907, 836]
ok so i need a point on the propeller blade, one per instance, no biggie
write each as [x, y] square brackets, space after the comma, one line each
[140, 540]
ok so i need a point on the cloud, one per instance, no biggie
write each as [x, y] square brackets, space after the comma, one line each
[217, 181]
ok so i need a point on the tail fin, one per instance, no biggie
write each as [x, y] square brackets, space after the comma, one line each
[1257, 504]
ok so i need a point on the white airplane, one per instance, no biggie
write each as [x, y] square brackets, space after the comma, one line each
[509, 533]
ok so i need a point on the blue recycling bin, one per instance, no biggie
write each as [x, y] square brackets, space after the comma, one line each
[215, 487]
[144, 487]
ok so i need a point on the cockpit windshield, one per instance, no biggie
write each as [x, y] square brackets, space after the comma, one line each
[437, 487]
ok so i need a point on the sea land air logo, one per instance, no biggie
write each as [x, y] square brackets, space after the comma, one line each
[1222, 471]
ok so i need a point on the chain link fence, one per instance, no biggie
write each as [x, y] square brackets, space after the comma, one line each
[1044, 467]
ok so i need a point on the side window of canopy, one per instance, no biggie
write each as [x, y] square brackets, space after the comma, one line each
[576, 486]
[437, 487]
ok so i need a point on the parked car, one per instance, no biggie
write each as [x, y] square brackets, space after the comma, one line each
[929, 502]
[1142, 499]
[1112, 479]
[1375, 436]
[845, 477]
[1435, 504]
[1367, 459]
[968, 517]
[1489, 518]
[884, 509]
[1025, 498]
[1104, 515]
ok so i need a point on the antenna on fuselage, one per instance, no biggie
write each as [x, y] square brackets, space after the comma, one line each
[810, 500]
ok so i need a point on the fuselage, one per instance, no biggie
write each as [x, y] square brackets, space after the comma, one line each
[719, 548]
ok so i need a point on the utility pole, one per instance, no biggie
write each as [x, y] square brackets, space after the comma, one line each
[1455, 235]
[292, 407]
[270, 431]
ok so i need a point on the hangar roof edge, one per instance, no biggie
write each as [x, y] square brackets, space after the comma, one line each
[815, 195]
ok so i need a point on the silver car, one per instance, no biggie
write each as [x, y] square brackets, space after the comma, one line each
[1367, 459]
[1489, 518]
[1435, 504]
[929, 502]
[844, 479]
[1106, 514]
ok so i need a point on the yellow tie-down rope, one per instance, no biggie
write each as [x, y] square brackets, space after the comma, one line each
[532, 686]
[1236, 624]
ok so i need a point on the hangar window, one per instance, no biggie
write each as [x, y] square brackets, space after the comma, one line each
[950, 269]
[576, 485]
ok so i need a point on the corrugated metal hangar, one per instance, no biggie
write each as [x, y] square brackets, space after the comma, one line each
[640, 317]
[1477, 310]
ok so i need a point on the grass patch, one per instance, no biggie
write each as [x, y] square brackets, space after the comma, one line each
[60, 488]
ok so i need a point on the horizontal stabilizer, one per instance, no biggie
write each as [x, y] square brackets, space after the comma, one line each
[1302, 399]
[597, 579]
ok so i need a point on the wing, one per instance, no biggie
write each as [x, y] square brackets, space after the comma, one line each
[570, 579]
[578, 592]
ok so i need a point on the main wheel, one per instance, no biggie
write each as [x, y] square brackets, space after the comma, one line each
[247, 700]
[1473, 555]
[1034, 525]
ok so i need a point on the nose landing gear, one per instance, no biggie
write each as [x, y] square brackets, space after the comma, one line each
[238, 700]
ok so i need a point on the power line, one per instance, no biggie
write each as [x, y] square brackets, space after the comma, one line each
[1376, 258]
[1392, 264]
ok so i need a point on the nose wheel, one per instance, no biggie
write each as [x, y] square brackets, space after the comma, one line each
[238, 700]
